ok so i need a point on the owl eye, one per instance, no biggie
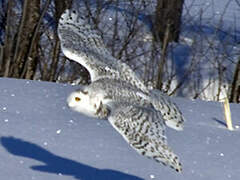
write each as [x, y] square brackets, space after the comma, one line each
[77, 99]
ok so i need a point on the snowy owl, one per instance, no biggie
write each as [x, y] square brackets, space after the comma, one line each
[116, 93]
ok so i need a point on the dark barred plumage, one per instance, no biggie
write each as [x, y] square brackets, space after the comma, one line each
[118, 94]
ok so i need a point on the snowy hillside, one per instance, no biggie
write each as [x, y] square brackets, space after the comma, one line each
[40, 138]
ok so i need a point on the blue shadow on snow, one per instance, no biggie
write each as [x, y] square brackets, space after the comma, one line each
[56, 164]
[222, 123]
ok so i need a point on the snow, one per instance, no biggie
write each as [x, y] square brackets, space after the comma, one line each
[41, 138]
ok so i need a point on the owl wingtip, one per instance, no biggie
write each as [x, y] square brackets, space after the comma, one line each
[175, 125]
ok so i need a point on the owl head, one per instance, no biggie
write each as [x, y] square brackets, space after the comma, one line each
[80, 101]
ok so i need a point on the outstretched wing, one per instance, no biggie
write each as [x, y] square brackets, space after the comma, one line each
[84, 45]
[81, 43]
[170, 112]
[144, 130]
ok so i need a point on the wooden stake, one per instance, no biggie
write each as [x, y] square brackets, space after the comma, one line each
[227, 114]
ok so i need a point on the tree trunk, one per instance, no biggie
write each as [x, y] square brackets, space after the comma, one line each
[166, 28]
[30, 65]
[26, 41]
[168, 16]
[162, 59]
[235, 89]
[8, 42]
[60, 7]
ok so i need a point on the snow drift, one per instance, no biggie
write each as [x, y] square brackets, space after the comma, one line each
[40, 138]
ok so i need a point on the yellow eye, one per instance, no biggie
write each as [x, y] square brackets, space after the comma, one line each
[77, 99]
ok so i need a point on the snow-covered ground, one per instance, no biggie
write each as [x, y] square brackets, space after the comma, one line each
[40, 138]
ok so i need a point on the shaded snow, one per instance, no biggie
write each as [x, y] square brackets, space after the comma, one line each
[42, 139]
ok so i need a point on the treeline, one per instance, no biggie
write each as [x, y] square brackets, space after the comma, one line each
[139, 33]
[23, 28]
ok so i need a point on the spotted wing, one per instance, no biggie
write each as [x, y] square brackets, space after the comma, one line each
[169, 110]
[144, 130]
[81, 43]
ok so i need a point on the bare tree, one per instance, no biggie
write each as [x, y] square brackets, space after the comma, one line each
[25, 51]
[166, 28]
[135, 34]
[168, 18]
[235, 87]
[20, 52]
[8, 41]
[60, 6]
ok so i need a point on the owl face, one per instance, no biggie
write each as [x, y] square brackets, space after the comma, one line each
[80, 101]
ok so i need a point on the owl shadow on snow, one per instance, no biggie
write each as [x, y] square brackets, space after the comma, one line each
[56, 164]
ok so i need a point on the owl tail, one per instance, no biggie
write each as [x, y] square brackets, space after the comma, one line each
[169, 110]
